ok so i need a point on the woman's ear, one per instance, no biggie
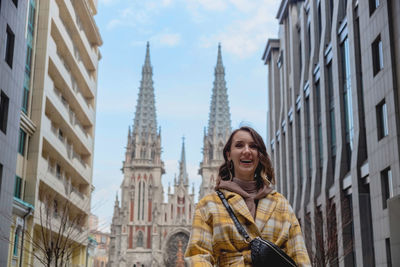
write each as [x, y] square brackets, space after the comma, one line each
[228, 155]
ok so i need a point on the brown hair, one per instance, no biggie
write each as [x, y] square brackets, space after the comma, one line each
[264, 173]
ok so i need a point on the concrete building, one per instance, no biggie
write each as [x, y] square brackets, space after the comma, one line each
[145, 230]
[333, 126]
[12, 56]
[56, 130]
[100, 255]
[219, 129]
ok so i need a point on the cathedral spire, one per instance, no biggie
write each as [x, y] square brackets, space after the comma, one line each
[219, 122]
[183, 176]
[145, 122]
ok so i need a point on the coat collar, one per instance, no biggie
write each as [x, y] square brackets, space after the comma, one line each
[265, 208]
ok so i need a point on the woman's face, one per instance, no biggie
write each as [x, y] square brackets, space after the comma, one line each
[244, 155]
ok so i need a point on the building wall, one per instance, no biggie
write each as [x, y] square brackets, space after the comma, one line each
[333, 124]
[12, 20]
[57, 116]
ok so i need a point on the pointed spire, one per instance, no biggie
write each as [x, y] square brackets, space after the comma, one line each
[116, 204]
[183, 176]
[145, 121]
[219, 122]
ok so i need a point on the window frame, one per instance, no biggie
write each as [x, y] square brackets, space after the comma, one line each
[4, 105]
[377, 55]
[382, 120]
[9, 46]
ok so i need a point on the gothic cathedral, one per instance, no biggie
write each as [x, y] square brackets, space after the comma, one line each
[145, 230]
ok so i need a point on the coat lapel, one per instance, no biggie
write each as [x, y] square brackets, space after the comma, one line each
[265, 209]
[238, 205]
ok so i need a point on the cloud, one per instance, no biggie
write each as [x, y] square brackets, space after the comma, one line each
[167, 39]
[244, 37]
[214, 5]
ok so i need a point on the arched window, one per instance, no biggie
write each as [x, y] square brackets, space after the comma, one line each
[139, 242]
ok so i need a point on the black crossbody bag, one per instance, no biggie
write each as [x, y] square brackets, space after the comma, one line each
[263, 252]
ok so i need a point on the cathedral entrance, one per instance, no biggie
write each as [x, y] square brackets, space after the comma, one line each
[174, 247]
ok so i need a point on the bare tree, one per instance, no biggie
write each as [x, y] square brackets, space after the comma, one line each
[58, 232]
[323, 248]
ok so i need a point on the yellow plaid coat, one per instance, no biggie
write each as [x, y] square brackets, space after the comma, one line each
[215, 240]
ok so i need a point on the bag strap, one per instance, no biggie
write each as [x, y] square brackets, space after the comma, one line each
[239, 227]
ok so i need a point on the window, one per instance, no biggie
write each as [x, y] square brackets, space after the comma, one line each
[3, 112]
[16, 238]
[308, 137]
[10, 37]
[319, 122]
[309, 38]
[388, 252]
[377, 55]
[373, 5]
[18, 187]
[58, 170]
[319, 22]
[386, 185]
[1, 175]
[381, 120]
[22, 140]
[140, 239]
[347, 97]
[331, 9]
[332, 123]
[15, 2]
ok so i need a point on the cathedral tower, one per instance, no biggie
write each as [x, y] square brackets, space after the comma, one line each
[145, 231]
[219, 129]
[133, 225]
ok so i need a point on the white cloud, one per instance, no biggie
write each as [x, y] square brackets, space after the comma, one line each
[244, 37]
[215, 5]
[108, 2]
[168, 39]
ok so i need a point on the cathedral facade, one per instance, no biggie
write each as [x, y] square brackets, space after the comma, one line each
[147, 231]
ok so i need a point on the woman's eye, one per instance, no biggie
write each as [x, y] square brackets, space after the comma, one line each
[253, 147]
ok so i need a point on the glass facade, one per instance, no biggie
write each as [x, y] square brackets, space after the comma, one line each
[28, 60]
[347, 97]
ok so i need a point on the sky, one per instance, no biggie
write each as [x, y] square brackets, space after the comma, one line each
[183, 37]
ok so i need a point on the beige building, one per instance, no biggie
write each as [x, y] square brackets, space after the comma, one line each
[333, 126]
[100, 255]
[55, 160]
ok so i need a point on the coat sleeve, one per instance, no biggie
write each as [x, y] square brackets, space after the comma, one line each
[199, 252]
[296, 248]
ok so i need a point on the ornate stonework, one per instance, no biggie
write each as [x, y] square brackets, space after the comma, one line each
[145, 230]
[219, 129]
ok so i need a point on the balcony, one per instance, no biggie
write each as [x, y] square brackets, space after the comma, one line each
[62, 184]
[61, 146]
[66, 55]
[53, 221]
[71, 120]
[68, 85]
[68, 15]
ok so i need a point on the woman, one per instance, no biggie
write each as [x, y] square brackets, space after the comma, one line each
[244, 178]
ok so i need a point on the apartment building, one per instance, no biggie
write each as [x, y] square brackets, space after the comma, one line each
[53, 181]
[12, 56]
[333, 126]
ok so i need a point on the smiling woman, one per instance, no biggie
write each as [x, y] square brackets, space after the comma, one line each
[244, 180]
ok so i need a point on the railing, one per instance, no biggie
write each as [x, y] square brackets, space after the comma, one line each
[72, 116]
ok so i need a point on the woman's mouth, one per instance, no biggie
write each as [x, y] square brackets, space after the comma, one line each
[246, 161]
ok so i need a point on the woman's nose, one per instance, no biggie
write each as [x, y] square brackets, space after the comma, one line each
[246, 148]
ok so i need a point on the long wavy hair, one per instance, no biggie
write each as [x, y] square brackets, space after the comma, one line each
[264, 173]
